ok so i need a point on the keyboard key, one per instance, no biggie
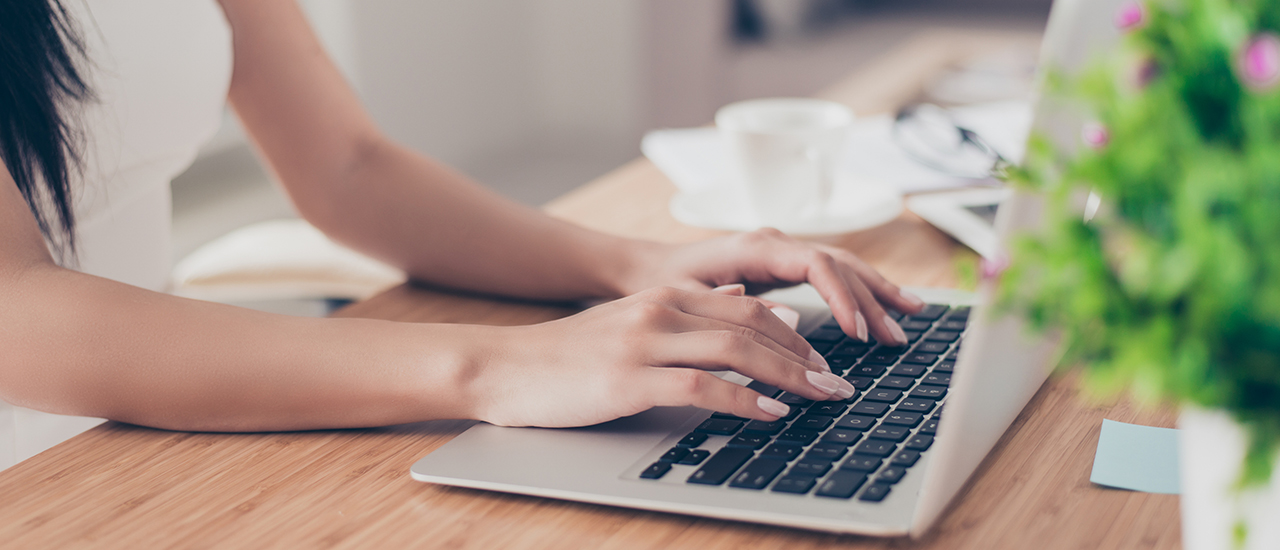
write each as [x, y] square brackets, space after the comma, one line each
[656, 470]
[883, 395]
[929, 392]
[795, 401]
[869, 408]
[727, 416]
[784, 452]
[916, 404]
[891, 475]
[867, 369]
[953, 324]
[812, 422]
[853, 348]
[862, 463]
[717, 426]
[959, 313]
[943, 336]
[798, 484]
[903, 418]
[930, 427]
[945, 367]
[695, 457]
[749, 441]
[919, 442]
[925, 358]
[908, 369]
[890, 432]
[829, 408]
[831, 323]
[764, 389]
[823, 348]
[692, 440]
[762, 427]
[916, 325]
[896, 382]
[954, 354]
[860, 382]
[675, 454]
[796, 436]
[912, 335]
[933, 348]
[826, 335]
[875, 493]
[883, 356]
[842, 437]
[876, 447]
[826, 451]
[931, 312]
[906, 458]
[842, 484]
[811, 467]
[937, 379]
[758, 474]
[721, 465]
[841, 363]
[856, 422]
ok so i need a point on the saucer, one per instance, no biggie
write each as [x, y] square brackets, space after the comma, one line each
[855, 205]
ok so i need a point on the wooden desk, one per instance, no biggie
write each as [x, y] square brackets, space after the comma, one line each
[120, 486]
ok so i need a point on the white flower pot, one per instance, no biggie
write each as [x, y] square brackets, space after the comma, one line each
[1212, 447]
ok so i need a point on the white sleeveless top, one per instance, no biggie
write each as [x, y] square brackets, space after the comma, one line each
[160, 70]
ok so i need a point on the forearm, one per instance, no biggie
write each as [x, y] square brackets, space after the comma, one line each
[77, 344]
[442, 227]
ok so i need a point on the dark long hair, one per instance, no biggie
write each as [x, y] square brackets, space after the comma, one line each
[39, 80]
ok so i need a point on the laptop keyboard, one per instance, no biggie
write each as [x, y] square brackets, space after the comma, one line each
[862, 445]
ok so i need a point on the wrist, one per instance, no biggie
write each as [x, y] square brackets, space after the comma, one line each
[635, 265]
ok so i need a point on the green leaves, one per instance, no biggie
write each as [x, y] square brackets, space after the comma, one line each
[1173, 290]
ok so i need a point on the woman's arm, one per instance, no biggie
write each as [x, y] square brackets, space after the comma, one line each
[365, 191]
[78, 344]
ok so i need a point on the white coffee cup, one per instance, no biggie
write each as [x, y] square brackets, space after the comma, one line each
[783, 154]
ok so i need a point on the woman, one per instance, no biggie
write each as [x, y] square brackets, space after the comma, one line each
[96, 338]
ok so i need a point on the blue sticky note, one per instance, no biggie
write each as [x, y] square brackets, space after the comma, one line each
[1137, 458]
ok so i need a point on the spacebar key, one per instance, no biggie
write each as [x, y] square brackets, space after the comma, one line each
[721, 465]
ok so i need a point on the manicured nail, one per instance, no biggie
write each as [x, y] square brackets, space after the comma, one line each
[789, 316]
[731, 290]
[895, 330]
[846, 389]
[912, 298]
[824, 381]
[773, 406]
[817, 358]
[860, 326]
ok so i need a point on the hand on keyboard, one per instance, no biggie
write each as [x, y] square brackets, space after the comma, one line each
[651, 349]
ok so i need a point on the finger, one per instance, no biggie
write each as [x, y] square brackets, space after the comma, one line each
[731, 290]
[883, 327]
[825, 276]
[731, 350]
[789, 317]
[686, 387]
[689, 323]
[885, 292]
[752, 314]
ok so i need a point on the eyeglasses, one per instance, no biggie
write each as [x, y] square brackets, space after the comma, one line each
[932, 137]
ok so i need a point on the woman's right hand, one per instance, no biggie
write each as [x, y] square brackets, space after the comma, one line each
[654, 348]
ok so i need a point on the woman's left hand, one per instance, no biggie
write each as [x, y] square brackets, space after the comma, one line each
[767, 259]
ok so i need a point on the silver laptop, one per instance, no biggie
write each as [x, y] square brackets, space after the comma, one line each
[885, 462]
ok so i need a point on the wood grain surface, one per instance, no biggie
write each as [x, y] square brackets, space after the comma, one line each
[121, 486]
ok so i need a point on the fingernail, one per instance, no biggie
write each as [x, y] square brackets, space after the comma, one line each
[731, 290]
[860, 326]
[825, 382]
[898, 336]
[789, 316]
[773, 406]
[817, 358]
[846, 389]
[915, 300]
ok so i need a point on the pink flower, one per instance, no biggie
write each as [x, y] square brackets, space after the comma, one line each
[1095, 134]
[991, 268]
[1260, 61]
[1146, 71]
[1130, 17]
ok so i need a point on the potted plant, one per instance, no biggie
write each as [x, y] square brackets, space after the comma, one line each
[1165, 280]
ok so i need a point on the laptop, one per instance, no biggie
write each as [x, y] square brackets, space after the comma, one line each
[885, 462]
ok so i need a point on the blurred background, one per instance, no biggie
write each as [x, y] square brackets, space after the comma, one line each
[536, 97]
